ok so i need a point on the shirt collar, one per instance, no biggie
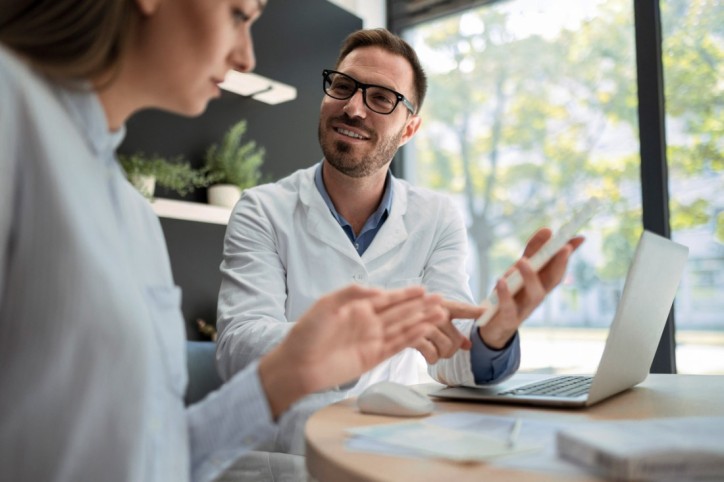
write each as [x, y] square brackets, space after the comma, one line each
[86, 110]
[384, 208]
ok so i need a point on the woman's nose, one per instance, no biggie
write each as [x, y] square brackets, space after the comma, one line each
[242, 57]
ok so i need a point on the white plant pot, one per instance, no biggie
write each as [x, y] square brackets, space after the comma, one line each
[225, 195]
[146, 185]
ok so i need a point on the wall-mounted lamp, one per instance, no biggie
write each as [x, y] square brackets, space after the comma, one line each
[258, 87]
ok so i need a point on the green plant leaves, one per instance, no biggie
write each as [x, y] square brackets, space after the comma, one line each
[176, 174]
[234, 162]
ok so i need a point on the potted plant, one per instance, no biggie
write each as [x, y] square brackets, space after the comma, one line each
[144, 172]
[233, 166]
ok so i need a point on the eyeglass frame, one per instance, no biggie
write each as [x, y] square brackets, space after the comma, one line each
[362, 86]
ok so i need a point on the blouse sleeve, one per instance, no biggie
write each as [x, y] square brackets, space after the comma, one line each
[229, 422]
[8, 172]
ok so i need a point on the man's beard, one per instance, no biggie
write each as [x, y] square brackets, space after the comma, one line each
[340, 155]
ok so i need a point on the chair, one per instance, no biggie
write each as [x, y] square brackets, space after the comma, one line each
[201, 365]
[254, 466]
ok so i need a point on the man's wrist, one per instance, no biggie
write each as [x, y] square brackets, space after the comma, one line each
[495, 338]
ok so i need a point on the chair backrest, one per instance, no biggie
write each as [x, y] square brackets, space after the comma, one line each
[201, 364]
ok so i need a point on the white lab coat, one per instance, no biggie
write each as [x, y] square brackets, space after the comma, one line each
[284, 249]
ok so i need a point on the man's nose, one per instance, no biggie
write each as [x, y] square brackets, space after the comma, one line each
[355, 106]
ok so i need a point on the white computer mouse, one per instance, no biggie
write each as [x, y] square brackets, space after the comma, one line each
[395, 399]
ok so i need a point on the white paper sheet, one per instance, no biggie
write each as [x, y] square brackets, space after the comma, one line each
[469, 436]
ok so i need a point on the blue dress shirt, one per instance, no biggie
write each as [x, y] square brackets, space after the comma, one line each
[373, 223]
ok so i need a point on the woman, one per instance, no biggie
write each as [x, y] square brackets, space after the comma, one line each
[91, 334]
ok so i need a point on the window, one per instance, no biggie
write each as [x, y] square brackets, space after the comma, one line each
[532, 108]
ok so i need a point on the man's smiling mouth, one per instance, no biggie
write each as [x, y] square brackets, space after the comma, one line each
[349, 133]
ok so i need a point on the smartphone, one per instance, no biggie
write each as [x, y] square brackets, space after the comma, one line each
[542, 256]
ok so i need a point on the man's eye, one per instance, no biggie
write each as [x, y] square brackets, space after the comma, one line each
[342, 86]
[383, 99]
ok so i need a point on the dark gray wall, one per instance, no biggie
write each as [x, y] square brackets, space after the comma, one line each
[294, 40]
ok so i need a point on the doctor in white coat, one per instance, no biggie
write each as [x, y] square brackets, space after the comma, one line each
[347, 219]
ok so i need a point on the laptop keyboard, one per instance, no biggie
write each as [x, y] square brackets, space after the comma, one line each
[563, 386]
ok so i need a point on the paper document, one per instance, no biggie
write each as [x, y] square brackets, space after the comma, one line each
[432, 438]
[534, 447]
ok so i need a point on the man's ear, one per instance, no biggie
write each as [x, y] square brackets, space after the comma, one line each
[148, 7]
[410, 129]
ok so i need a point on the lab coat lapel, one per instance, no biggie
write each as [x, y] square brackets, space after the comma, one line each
[321, 225]
[393, 232]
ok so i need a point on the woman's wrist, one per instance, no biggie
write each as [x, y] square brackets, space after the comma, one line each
[282, 381]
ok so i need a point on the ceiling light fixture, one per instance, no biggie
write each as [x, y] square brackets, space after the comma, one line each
[258, 87]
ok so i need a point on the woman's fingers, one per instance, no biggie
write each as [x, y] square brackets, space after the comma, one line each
[387, 299]
[459, 310]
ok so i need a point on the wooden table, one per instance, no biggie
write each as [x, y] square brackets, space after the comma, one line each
[658, 396]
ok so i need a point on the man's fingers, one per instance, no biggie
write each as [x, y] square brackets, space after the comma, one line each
[445, 344]
[448, 340]
[513, 310]
[506, 304]
[576, 242]
[533, 290]
[536, 241]
[409, 337]
[401, 312]
[428, 350]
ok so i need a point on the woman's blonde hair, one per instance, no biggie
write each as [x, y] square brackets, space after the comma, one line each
[69, 39]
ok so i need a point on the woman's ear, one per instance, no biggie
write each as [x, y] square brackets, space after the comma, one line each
[148, 7]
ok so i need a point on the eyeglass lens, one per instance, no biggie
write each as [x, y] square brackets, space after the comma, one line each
[380, 99]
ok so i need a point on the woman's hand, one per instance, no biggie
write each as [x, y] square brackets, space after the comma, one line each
[345, 334]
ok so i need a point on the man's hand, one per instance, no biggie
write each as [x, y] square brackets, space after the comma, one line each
[343, 335]
[513, 310]
[446, 339]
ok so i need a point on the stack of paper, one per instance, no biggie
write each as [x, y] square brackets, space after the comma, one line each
[672, 448]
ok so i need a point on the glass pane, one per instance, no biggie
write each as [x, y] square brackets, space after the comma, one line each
[532, 109]
[693, 55]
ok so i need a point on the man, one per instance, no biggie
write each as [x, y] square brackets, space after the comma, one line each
[348, 219]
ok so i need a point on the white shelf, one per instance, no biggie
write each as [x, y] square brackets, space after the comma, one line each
[190, 211]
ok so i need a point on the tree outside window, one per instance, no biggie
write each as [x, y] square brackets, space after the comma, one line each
[532, 108]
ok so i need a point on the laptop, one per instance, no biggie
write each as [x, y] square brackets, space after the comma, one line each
[633, 337]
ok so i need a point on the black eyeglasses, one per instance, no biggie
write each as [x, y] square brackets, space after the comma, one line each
[377, 98]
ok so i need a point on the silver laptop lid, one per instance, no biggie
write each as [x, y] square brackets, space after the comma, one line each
[648, 294]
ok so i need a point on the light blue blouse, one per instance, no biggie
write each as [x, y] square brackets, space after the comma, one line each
[92, 341]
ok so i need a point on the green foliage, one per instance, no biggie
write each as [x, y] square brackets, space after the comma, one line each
[618, 244]
[515, 119]
[235, 163]
[689, 215]
[176, 175]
